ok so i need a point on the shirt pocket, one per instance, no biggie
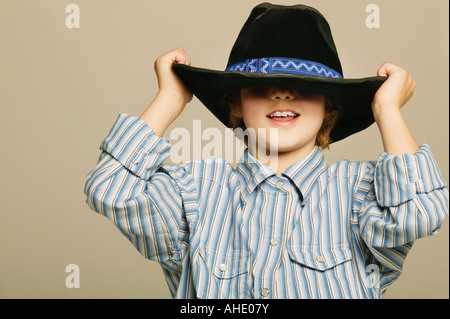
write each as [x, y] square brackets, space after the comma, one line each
[225, 265]
[319, 258]
[222, 274]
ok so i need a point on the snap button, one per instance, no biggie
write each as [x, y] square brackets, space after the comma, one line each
[223, 267]
[279, 185]
[265, 292]
[320, 259]
[274, 241]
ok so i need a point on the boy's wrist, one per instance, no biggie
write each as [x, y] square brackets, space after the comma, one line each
[385, 112]
[172, 97]
[163, 110]
[397, 138]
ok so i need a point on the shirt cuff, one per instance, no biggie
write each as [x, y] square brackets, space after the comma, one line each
[399, 178]
[135, 145]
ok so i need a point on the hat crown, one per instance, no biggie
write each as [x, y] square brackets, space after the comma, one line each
[298, 31]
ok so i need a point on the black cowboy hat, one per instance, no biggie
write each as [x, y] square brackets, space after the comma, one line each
[289, 47]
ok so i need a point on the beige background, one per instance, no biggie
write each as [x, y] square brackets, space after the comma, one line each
[61, 90]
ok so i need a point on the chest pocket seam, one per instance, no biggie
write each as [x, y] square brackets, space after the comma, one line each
[225, 265]
[319, 258]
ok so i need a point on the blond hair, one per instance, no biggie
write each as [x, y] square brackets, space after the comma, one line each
[332, 110]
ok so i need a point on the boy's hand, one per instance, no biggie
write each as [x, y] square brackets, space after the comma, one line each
[386, 105]
[173, 95]
[168, 81]
[395, 91]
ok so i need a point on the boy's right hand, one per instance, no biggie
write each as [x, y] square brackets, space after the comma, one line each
[168, 81]
[173, 95]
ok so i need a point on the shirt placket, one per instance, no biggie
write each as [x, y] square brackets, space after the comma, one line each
[270, 248]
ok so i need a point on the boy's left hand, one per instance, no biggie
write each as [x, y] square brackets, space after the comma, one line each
[387, 102]
[395, 91]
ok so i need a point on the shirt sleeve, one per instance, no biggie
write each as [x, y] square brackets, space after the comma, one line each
[399, 200]
[130, 187]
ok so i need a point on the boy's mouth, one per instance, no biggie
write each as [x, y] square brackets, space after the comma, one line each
[282, 115]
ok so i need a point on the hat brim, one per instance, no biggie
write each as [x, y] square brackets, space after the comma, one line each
[354, 96]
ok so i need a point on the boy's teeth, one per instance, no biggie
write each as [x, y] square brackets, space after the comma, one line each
[282, 114]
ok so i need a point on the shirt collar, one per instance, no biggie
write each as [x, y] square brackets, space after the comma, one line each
[254, 170]
[306, 171]
[302, 173]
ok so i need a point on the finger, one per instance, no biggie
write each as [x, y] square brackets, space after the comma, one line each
[170, 57]
[186, 56]
[180, 56]
[385, 69]
[388, 69]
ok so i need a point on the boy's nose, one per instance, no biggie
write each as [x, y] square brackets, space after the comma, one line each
[281, 94]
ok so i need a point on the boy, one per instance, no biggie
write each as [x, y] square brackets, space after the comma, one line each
[297, 229]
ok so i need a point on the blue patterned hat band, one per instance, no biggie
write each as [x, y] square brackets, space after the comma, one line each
[284, 65]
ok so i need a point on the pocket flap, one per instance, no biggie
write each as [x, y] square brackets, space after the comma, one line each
[319, 258]
[225, 265]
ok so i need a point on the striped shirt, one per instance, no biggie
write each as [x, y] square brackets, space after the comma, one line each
[314, 231]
